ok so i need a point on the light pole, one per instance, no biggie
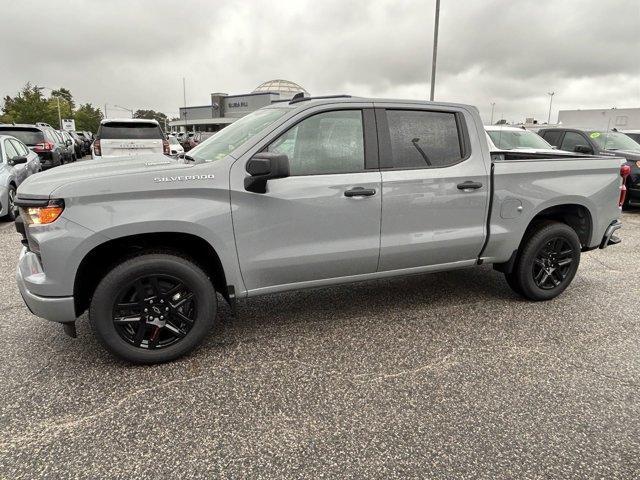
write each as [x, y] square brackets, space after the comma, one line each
[435, 50]
[493, 106]
[125, 108]
[551, 94]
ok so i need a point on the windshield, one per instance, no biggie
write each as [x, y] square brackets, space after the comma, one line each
[510, 139]
[614, 141]
[634, 136]
[228, 139]
[173, 140]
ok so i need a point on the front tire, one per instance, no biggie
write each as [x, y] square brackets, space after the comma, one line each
[153, 308]
[547, 262]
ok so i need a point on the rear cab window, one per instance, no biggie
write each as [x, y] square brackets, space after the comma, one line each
[28, 136]
[130, 131]
[422, 139]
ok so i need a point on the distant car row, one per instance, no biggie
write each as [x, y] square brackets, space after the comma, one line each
[54, 147]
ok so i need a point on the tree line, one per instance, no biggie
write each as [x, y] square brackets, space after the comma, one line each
[30, 105]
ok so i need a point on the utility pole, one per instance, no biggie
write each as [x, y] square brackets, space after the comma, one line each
[435, 50]
[105, 110]
[184, 100]
[551, 94]
[493, 106]
[59, 115]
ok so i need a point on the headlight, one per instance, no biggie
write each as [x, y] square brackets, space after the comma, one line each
[43, 215]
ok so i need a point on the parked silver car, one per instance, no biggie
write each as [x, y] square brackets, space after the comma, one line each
[17, 162]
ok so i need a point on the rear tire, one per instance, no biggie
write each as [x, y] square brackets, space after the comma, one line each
[153, 308]
[547, 262]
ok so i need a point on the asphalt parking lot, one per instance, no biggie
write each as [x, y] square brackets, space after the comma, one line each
[447, 375]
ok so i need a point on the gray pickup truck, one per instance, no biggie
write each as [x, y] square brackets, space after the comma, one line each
[303, 194]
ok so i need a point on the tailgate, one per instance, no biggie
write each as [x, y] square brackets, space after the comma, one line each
[125, 148]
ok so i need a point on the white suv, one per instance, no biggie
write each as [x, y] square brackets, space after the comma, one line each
[128, 137]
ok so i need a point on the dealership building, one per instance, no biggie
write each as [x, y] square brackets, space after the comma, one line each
[601, 119]
[225, 109]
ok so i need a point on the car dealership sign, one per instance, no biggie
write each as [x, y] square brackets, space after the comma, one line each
[68, 125]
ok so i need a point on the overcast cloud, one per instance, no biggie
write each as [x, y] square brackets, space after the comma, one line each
[134, 53]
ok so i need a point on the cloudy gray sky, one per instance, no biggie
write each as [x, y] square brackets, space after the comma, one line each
[134, 53]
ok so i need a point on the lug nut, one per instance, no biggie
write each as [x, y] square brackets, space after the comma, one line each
[146, 310]
[161, 317]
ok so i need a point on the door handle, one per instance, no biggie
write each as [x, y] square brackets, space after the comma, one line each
[469, 185]
[360, 192]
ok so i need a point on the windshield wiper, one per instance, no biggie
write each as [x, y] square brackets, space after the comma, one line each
[189, 157]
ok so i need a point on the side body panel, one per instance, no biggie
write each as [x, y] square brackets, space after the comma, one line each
[524, 188]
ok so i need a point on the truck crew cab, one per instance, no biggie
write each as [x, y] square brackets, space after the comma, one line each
[310, 193]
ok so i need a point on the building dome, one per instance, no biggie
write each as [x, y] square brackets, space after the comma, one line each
[285, 88]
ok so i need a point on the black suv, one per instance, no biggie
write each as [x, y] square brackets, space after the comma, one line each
[44, 141]
[601, 142]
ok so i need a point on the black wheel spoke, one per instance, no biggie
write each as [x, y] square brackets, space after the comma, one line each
[142, 328]
[183, 300]
[127, 319]
[175, 330]
[181, 316]
[564, 262]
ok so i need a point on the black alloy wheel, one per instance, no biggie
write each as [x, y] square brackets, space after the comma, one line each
[154, 312]
[552, 263]
[547, 261]
[153, 307]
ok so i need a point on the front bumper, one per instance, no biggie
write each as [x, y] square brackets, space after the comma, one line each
[56, 309]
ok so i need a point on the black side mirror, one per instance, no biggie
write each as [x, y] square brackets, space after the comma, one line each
[582, 149]
[18, 159]
[265, 166]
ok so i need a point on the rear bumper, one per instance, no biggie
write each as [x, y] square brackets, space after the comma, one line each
[609, 238]
[55, 309]
[633, 194]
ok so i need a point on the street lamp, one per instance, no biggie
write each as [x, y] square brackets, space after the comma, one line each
[435, 50]
[551, 94]
[58, 100]
[125, 108]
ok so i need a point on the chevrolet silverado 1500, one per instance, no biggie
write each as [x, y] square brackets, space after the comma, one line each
[303, 194]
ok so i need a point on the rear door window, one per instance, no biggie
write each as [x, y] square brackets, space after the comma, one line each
[553, 137]
[27, 136]
[423, 139]
[130, 131]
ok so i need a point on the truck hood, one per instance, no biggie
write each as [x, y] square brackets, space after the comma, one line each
[45, 183]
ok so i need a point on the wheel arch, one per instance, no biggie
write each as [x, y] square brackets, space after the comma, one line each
[577, 215]
[106, 255]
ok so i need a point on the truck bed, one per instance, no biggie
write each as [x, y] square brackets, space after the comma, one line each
[524, 185]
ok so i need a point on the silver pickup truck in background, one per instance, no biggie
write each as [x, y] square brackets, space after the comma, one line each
[303, 194]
